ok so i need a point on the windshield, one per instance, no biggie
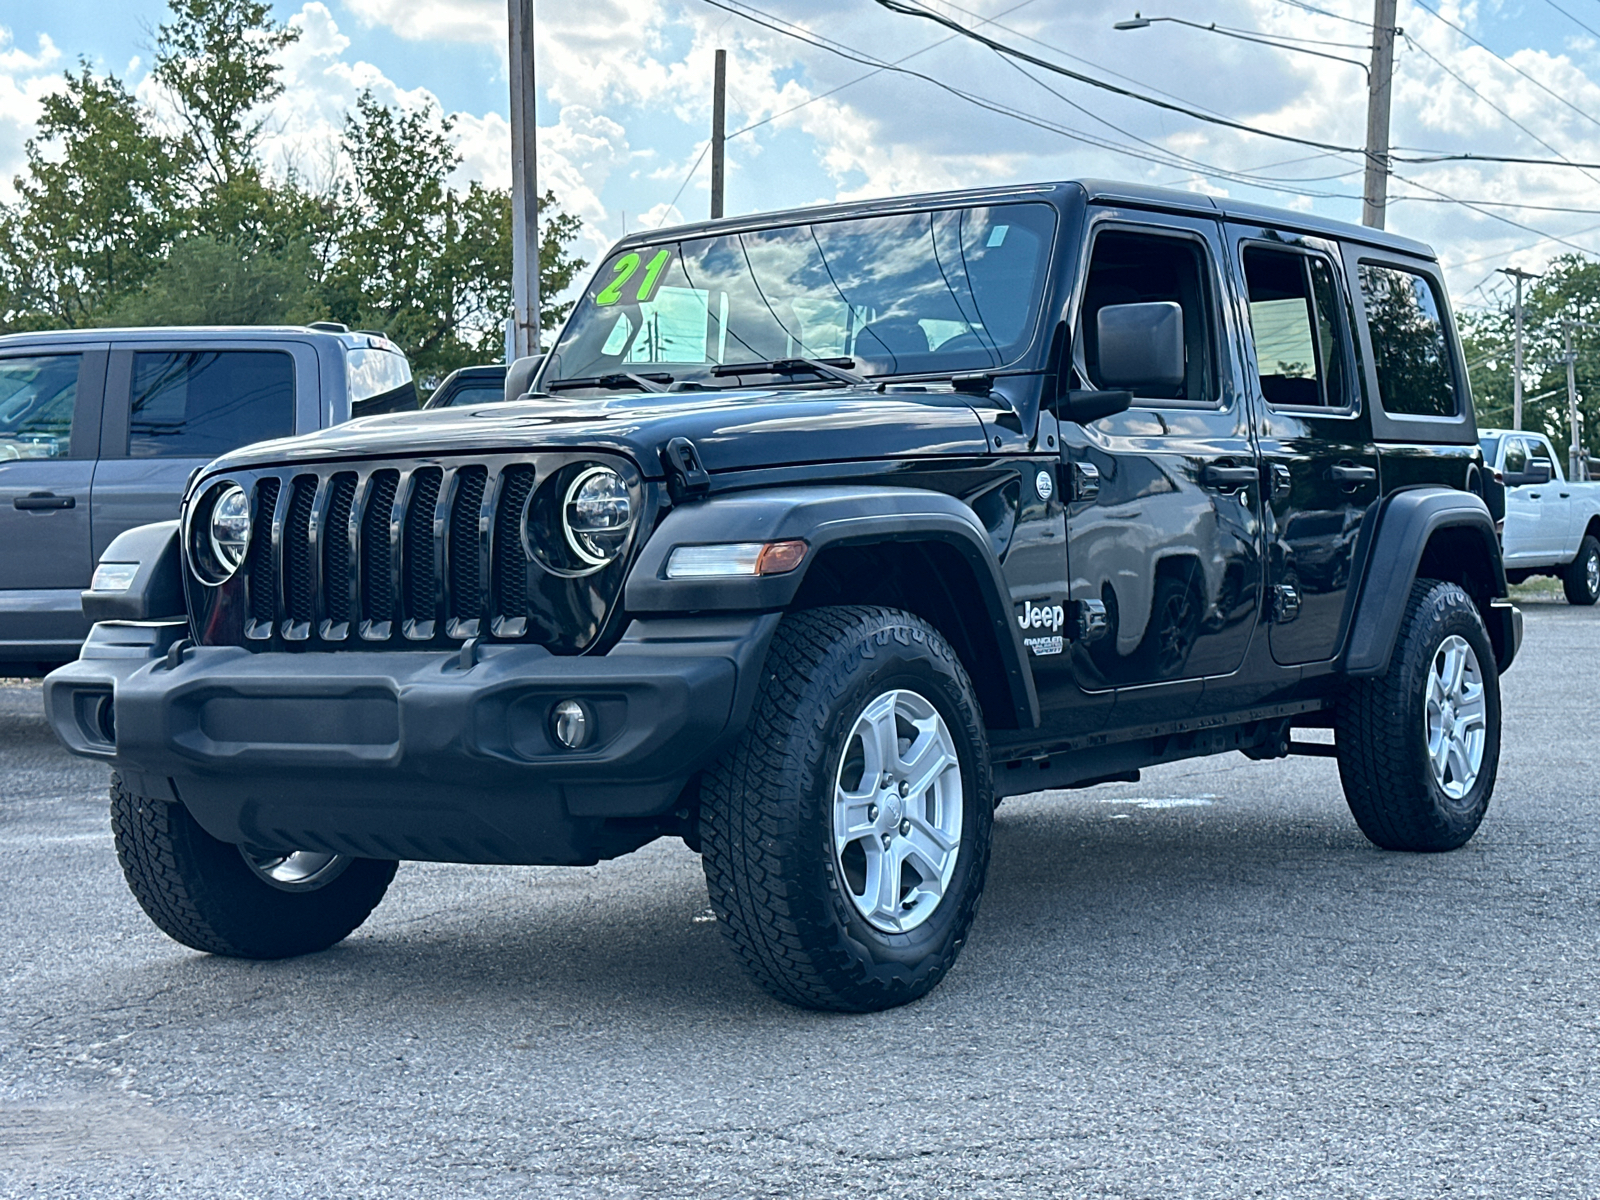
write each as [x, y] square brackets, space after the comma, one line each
[928, 292]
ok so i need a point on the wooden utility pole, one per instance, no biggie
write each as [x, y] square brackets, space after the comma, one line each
[1519, 275]
[1375, 196]
[524, 185]
[719, 130]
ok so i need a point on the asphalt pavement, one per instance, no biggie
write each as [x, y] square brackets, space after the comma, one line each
[1204, 984]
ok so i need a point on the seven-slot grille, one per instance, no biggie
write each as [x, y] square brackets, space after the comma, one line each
[369, 553]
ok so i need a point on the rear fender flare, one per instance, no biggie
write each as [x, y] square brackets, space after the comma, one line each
[826, 517]
[1403, 524]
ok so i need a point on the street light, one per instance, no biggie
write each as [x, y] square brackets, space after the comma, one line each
[1140, 21]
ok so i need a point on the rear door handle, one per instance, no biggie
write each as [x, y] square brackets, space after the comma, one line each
[1226, 478]
[1344, 474]
[38, 500]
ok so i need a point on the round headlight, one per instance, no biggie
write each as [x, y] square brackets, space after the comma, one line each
[230, 528]
[597, 515]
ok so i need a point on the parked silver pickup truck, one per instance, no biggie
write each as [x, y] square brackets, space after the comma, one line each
[100, 430]
[1552, 523]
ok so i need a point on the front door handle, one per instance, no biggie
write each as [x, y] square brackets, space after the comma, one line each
[1350, 475]
[42, 500]
[1225, 477]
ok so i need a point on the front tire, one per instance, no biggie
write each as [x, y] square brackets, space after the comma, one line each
[1419, 747]
[222, 899]
[846, 836]
[1581, 581]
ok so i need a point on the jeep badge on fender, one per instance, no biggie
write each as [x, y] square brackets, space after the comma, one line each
[738, 570]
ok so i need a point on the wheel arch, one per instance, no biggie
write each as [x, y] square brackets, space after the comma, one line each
[908, 548]
[1425, 533]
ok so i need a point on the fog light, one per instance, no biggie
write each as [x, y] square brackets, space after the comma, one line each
[571, 723]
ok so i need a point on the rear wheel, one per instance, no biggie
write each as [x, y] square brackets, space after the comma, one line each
[1582, 579]
[846, 836]
[226, 899]
[1419, 747]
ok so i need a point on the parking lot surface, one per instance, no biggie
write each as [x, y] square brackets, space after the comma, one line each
[1204, 984]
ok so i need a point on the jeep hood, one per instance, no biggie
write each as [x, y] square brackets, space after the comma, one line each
[732, 431]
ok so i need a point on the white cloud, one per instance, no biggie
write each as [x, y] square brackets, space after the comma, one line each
[25, 79]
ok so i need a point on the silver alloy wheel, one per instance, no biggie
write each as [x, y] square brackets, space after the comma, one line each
[1591, 571]
[296, 871]
[897, 810]
[1455, 716]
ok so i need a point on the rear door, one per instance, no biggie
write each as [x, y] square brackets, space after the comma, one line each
[1319, 458]
[1170, 538]
[49, 433]
[172, 408]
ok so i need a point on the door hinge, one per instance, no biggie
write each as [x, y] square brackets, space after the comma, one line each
[1085, 484]
[1089, 621]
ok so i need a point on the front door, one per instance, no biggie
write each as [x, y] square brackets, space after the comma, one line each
[1320, 462]
[1164, 524]
[49, 432]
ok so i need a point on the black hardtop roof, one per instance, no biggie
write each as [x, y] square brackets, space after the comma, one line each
[1094, 191]
[167, 333]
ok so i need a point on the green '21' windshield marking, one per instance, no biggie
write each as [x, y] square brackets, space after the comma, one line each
[624, 270]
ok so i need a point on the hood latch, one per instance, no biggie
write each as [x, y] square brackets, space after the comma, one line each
[686, 475]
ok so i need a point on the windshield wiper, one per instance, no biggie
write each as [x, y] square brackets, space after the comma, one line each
[614, 381]
[828, 368]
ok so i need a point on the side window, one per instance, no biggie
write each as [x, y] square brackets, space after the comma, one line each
[1516, 456]
[38, 396]
[1294, 322]
[202, 403]
[1408, 342]
[1138, 268]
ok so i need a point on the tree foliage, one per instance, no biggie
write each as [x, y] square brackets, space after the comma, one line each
[1568, 290]
[129, 216]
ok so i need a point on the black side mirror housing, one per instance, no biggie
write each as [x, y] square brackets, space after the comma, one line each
[1085, 406]
[1141, 345]
[1539, 471]
[519, 375]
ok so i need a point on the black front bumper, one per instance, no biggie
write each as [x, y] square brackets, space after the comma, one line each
[415, 755]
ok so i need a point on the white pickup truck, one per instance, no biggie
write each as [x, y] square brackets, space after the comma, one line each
[1552, 524]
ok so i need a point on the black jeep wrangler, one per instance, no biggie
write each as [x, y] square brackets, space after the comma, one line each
[820, 533]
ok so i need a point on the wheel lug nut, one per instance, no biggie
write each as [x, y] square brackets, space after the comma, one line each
[905, 827]
[905, 789]
[872, 812]
[887, 839]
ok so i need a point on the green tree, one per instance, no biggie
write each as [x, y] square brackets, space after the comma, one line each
[206, 281]
[94, 214]
[424, 263]
[1568, 290]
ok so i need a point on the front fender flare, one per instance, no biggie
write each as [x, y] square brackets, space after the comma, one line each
[825, 517]
[1404, 522]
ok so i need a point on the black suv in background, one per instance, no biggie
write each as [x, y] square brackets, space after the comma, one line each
[822, 532]
[100, 430]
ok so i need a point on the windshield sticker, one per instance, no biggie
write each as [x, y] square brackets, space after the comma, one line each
[623, 271]
[652, 273]
[997, 236]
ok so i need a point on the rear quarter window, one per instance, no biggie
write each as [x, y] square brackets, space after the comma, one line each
[202, 403]
[1410, 346]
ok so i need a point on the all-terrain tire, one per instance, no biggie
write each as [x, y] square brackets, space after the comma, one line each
[1581, 581]
[766, 819]
[1382, 738]
[201, 892]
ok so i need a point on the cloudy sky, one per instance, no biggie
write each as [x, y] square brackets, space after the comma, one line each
[624, 102]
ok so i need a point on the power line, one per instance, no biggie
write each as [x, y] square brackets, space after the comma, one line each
[1587, 28]
[1557, 95]
[905, 8]
[1322, 12]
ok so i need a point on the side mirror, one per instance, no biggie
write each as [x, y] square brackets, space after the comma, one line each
[1539, 471]
[519, 375]
[1086, 406]
[1141, 345]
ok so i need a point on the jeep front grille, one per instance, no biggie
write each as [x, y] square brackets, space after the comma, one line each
[368, 555]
